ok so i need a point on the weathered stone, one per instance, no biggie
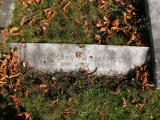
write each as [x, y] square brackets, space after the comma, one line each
[154, 14]
[100, 59]
[6, 12]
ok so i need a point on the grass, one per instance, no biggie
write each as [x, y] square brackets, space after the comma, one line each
[75, 96]
[95, 103]
[73, 22]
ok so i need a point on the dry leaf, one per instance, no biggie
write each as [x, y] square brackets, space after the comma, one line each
[109, 33]
[55, 102]
[50, 13]
[23, 21]
[14, 31]
[103, 29]
[124, 103]
[98, 25]
[65, 8]
[116, 91]
[15, 100]
[115, 23]
[4, 36]
[44, 24]
[98, 38]
[27, 3]
[106, 20]
[67, 112]
[140, 105]
[102, 3]
[43, 86]
[2, 83]
[26, 115]
[120, 2]
[3, 78]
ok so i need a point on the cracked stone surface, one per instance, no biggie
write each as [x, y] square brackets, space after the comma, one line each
[154, 12]
[100, 59]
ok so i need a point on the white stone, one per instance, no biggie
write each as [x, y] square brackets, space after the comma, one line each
[100, 59]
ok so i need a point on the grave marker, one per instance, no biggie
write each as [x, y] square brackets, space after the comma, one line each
[154, 13]
[6, 13]
[100, 59]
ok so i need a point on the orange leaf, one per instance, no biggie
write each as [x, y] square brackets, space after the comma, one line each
[109, 33]
[65, 8]
[115, 23]
[99, 25]
[106, 20]
[50, 12]
[43, 86]
[98, 38]
[140, 105]
[3, 78]
[26, 115]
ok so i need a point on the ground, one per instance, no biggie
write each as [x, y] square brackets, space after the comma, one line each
[80, 21]
[27, 94]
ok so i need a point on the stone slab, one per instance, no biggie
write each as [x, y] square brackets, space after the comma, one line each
[100, 59]
[6, 12]
[154, 14]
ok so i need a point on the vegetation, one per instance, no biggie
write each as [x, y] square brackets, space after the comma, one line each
[80, 21]
[26, 94]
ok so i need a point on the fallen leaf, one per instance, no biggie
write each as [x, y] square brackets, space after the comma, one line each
[106, 20]
[67, 112]
[109, 33]
[99, 25]
[116, 91]
[26, 115]
[98, 39]
[65, 8]
[55, 102]
[120, 2]
[139, 105]
[50, 12]
[43, 86]
[102, 3]
[124, 103]
[103, 29]
[14, 31]
[15, 100]
[115, 23]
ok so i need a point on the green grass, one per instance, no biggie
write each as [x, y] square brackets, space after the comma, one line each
[75, 25]
[92, 101]
[76, 96]
[86, 98]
